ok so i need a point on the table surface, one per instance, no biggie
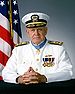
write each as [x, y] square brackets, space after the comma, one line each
[67, 87]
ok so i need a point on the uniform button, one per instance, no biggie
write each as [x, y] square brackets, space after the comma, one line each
[36, 69]
[37, 59]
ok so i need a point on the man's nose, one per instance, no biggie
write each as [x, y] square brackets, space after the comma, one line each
[36, 31]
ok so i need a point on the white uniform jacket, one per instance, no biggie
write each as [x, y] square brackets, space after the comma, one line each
[51, 60]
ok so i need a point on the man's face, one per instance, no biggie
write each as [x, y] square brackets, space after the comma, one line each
[37, 34]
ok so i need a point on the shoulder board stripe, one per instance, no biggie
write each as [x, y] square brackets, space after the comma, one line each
[55, 42]
[22, 43]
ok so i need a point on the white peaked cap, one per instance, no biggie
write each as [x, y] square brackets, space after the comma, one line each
[42, 19]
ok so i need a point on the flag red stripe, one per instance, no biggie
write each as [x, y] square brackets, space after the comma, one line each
[1, 78]
[3, 58]
[5, 35]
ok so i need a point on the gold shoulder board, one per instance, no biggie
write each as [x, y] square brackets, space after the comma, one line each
[22, 43]
[55, 42]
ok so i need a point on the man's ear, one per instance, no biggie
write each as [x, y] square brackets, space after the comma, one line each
[26, 30]
[46, 29]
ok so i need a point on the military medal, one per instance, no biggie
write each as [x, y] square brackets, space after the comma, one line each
[38, 51]
[48, 61]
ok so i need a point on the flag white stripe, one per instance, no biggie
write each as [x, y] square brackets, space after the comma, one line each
[1, 68]
[5, 47]
[4, 22]
[16, 38]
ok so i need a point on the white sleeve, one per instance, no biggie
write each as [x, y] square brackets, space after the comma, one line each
[64, 69]
[9, 72]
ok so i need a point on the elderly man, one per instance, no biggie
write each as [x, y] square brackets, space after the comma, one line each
[39, 60]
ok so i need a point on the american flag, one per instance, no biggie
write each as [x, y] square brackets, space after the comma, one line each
[10, 30]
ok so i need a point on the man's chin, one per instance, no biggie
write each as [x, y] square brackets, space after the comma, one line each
[36, 42]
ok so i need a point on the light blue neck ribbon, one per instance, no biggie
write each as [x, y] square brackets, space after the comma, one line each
[39, 46]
